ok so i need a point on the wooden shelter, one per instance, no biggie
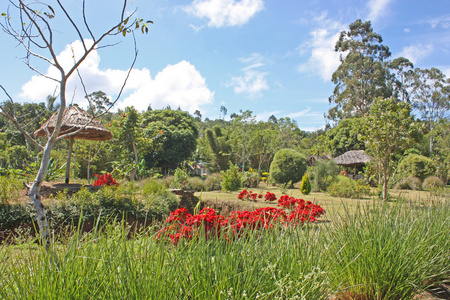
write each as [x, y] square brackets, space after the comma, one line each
[353, 158]
[75, 118]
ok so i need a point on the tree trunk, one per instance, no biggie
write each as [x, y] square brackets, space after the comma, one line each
[69, 155]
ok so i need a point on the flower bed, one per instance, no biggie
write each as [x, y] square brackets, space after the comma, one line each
[183, 225]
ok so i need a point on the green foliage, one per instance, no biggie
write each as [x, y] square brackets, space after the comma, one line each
[323, 174]
[362, 74]
[213, 182]
[231, 178]
[287, 165]
[416, 165]
[179, 180]
[178, 138]
[390, 131]
[196, 184]
[409, 183]
[345, 187]
[305, 185]
[346, 136]
[433, 182]
[249, 179]
[9, 189]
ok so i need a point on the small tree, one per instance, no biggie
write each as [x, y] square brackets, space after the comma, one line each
[305, 185]
[35, 33]
[287, 165]
[389, 131]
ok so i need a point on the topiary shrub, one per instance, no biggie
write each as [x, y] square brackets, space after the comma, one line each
[348, 188]
[417, 166]
[231, 179]
[305, 185]
[433, 182]
[287, 165]
[410, 183]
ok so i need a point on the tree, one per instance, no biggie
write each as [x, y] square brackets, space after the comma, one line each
[35, 33]
[362, 74]
[242, 131]
[430, 95]
[219, 146]
[346, 136]
[179, 135]
[401, 70]
[287, 165]
[389, 131]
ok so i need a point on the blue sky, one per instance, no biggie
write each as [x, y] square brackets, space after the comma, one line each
[268, 56]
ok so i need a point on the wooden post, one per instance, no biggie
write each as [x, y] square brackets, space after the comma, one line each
[68, 159]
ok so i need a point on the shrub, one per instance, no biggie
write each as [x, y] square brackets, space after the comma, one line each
[213, 182]
[416, 165]
[323, 174]
[287, 165]
[179, 180]
[9, 189]
[410, 183]
[231, 179]
[196, 184]
[167, 180]
[249, 179]
[433, 182]
[305, 185]
[348, 188]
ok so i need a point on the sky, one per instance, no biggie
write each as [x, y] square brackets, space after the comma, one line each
[272, 57]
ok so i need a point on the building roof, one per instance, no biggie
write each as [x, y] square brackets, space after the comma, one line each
[353, 158]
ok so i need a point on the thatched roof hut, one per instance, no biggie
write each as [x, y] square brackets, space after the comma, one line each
[353, 158]
[75, 118]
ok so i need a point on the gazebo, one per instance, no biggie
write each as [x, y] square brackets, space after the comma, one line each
[353, 159]
[75, 118]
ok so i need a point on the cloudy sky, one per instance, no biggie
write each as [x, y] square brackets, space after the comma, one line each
[268, 56]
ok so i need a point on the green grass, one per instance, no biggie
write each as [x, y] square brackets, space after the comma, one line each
[371, 250]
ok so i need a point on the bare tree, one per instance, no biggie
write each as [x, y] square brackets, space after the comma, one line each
[36, 36]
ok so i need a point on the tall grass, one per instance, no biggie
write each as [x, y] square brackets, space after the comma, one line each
[378, 252]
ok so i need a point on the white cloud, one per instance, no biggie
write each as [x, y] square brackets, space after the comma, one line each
[323, 60]
[299, 114]
[176, 85]
[253, 81]
[416, 52]
[377, 8]
[443, 22]
[222, 13]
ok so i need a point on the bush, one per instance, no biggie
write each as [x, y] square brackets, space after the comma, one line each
[9, 189]
[287, 165]
[231, 179]
[348, 188]
[305, 185]
[249, 179]
[416, 165]
[410, 183]
[433, 182]
[213, 182]
[323, 174]
[196, 184]
[179, 180]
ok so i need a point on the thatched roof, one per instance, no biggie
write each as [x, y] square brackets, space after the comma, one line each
[73, 119]
[353, 158]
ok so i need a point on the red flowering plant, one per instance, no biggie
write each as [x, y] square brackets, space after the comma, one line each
[270, 197]
[182, 225]
[105, 179]
[248, 195]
